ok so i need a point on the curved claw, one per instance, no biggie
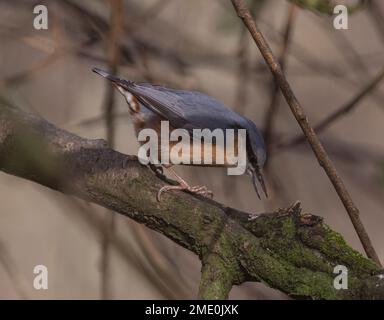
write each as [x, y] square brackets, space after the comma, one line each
[201, 190]
[166, 189]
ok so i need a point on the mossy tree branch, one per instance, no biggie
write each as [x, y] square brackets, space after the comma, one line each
[299, 113]
[288, 250]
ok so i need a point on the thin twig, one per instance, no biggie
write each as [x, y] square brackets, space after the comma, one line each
[113, 55]
[27, 74]
[345, 47]
[243, 71]
[244, 76]
[242, 55]
[162, 269]
[13, 273]
[338, 113]
[378, 17]
[84, 213]
[152, 12]
[272, 111]
[298, 112]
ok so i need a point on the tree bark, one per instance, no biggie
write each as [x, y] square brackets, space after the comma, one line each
[288, 250]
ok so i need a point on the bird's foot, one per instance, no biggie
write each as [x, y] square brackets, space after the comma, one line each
[199, 190]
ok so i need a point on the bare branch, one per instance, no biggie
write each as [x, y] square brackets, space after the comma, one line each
[273, 109]
[340, 112]
[377, 15]
[291, 251]
[298, 112]
[113, 50]
[13, 273]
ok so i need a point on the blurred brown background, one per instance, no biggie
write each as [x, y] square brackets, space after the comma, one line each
[198, 45]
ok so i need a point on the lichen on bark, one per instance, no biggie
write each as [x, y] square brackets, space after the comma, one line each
[288, 250]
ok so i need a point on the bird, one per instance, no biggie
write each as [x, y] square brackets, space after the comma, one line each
[150, 104]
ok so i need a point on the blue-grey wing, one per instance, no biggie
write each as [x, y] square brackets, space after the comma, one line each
[186, 109]
[194, 110]
[160, 101]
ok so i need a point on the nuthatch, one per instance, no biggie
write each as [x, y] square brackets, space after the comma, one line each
[150, 104]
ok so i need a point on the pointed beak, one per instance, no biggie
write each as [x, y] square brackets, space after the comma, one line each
[257, 175]
[260, 177]
[255, 184]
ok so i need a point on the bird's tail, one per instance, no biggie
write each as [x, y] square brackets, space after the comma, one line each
[120, 82]
[124, 87]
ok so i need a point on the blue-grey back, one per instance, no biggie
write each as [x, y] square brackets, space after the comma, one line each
[196, 110]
